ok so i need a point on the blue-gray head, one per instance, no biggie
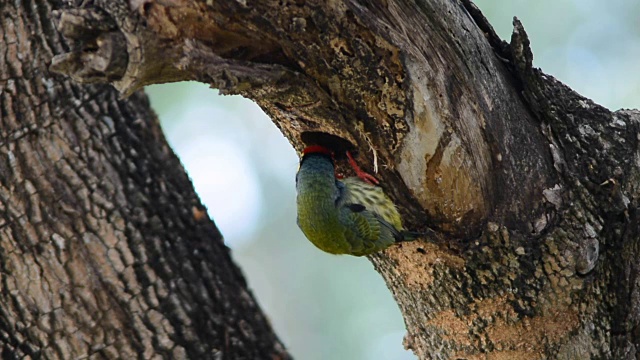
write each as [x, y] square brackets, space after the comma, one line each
[316, 166]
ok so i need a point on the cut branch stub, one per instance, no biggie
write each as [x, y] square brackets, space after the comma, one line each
[101, 55]
[113, 45]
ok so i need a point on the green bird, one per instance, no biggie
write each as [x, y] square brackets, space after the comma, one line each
[350, 216]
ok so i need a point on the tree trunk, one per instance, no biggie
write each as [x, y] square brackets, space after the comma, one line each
[531, 190]
[105, 250]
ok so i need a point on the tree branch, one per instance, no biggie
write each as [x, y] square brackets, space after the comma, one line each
[534, 187]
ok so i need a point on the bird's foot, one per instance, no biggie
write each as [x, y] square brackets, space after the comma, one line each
[366, 177]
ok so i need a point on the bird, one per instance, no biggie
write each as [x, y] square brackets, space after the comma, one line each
[350, 216]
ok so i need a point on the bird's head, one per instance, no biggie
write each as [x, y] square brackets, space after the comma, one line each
[317, 158]
[316, 150]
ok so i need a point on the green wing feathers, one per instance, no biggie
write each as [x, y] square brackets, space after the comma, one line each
[344, 217]
[373, 198]
[362, 231]
[371, 220]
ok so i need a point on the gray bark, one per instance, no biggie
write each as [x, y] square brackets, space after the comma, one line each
[105, 249]
[532, 190]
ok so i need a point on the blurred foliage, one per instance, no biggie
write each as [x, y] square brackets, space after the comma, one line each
[330, 307]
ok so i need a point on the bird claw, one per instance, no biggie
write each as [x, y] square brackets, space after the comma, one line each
[366, 177]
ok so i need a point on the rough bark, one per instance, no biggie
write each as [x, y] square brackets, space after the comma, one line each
[532, 189]
[105, 249]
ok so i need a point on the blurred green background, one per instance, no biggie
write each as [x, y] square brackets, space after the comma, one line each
[330, 307]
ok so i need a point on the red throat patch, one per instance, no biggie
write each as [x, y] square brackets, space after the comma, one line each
[316, 149]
